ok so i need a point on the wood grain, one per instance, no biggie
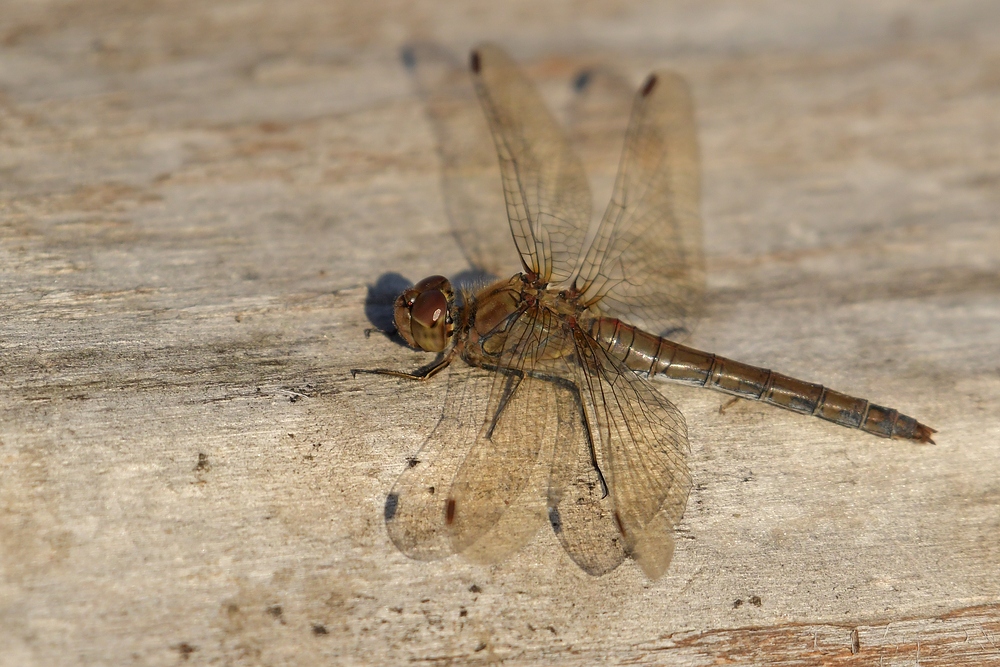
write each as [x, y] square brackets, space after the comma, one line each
[204, 206]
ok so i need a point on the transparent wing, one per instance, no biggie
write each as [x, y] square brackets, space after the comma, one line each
[534, 434]
[646, 263]
[415, 508]
[545, 187]
[580, 513]
[559, 398]
[538, 413]
[502, 469]
[476, 487]
[470, 178]
[642, 450]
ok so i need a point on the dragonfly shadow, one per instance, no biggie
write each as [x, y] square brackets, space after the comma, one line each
[379, 302]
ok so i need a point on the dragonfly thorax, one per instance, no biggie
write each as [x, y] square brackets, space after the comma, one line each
[423, 314]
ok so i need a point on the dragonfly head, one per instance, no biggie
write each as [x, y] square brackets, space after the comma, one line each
[424, 314]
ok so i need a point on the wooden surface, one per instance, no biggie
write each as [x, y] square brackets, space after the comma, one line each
[203, 205]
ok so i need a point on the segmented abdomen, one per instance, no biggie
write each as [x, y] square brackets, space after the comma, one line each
[646, 353]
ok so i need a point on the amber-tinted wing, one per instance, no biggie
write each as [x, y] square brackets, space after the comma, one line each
[646, 263]
[641, 448]
[476, 487]
[470, 177]
[580, 511]
[558, 398]
[535, 437]
[579, 415]
[417, 514]
[502, 470]
[545, 187]
[415, 508]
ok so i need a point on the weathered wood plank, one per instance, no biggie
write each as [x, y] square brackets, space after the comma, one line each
[200, 205]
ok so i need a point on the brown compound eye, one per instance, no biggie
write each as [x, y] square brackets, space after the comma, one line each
[428, 308]
[439, 283]
[422, 316]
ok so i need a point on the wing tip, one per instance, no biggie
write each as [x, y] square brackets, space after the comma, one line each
[647, 87]
[391, 506]
[408, 56]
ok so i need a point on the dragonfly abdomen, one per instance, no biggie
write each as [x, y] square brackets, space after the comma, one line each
[646, 353]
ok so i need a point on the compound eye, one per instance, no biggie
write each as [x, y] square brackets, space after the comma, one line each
[431, 283]
[422, 314]
[428, 308]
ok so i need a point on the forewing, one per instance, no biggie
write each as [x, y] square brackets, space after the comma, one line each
[502, 468]
[415, 508]
[646, 263]
[470, 179]
[545, 187]
[642, 452]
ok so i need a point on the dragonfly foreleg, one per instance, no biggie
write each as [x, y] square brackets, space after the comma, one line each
[510, 386]
[422, 373]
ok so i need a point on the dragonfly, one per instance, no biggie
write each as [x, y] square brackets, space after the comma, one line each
[553, 417]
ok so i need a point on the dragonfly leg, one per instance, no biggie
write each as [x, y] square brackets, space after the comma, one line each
[513, 382]
[423, 373]
[574, 390]
[578, 397]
